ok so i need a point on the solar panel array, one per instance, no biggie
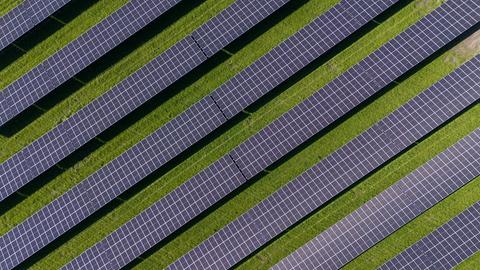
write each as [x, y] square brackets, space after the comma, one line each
[122, 99]
[337, 172]
[24, 17]
[132, 237]
[444, 248]
[356, 85]
[78, 54]
[142, 159]
[391, 209]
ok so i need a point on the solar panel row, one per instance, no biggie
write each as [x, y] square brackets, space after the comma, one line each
[78, 54]
[444, 248]
[240, 17]
[336, 172]
[180, 205]
[106, 110]
[391, 209]
[14, 24]
[24, 17]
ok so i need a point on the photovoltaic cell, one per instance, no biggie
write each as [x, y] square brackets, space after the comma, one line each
[391, 209]
[164, 217]
[110, 181]
[444, 248]
[456, 27]
[24, 17]
[103, 112]
[356, 85]
[336, 172]
[78, 54]
[295, 53]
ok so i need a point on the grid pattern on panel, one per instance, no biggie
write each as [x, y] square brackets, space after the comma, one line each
[162, 218]
[24, 17]
[357, 84]
[294, 54]
[390, 210]
[42, 227]
[444, 248]
[78, 54]
[232, 22]
[110, 181]
[336, 172]
[100, 114]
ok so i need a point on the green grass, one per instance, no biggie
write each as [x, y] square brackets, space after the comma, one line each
[470, 263]
[224, 142]
[8, 5]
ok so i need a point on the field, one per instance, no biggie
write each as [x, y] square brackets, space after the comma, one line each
[150, 42]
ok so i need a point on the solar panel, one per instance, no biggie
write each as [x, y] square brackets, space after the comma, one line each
[179, 204]
[101, 113]
[24, 17]
[78, 54]
[295, 53]
[336, 172]
[444, 248]
[162, 216]
[356, 85]
[391, 209]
